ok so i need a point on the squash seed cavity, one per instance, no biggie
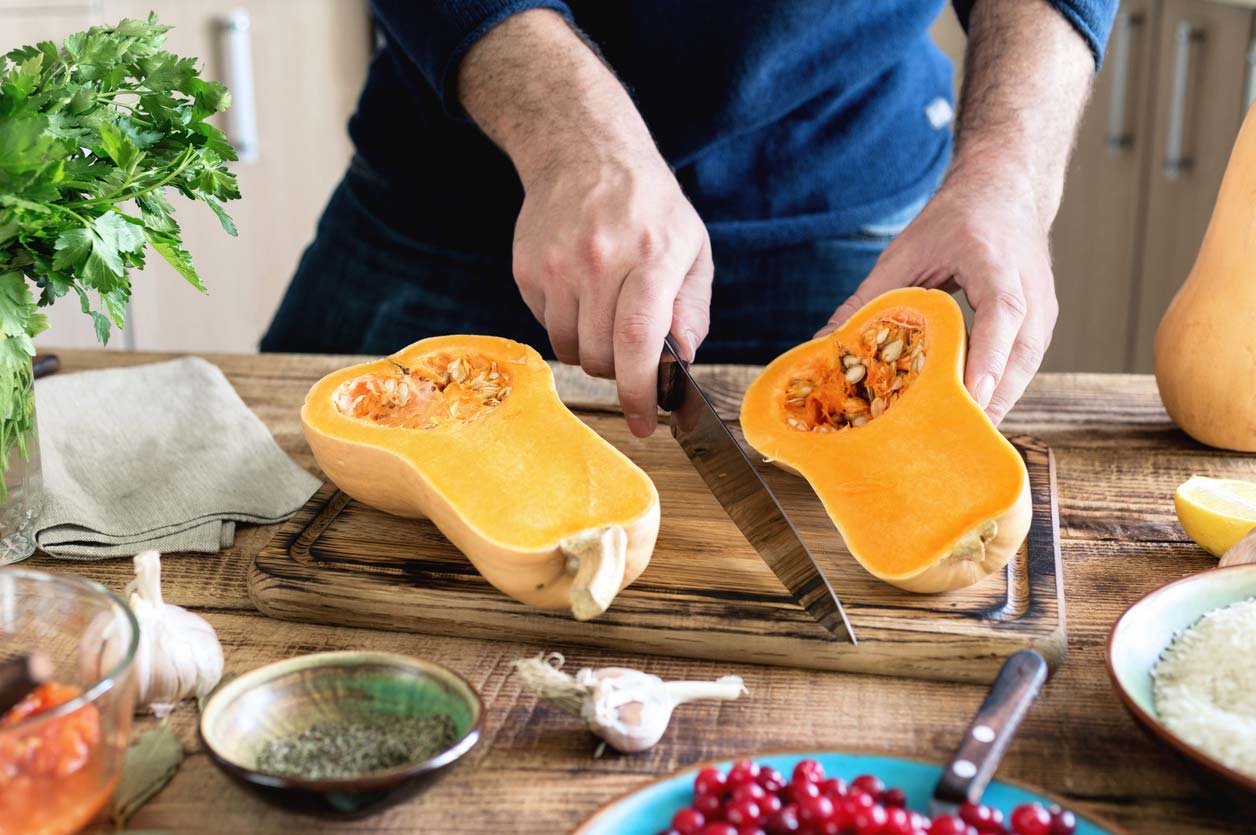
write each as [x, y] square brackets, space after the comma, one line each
[440, 390]
[860, 382]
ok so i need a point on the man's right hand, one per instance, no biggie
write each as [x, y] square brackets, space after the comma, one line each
[608, 254]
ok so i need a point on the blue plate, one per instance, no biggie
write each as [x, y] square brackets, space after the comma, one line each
[649, 810]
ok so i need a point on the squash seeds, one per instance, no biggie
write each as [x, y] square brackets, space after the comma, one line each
[860, 382]
[439, 390]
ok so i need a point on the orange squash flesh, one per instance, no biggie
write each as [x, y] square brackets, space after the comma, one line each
[469, 432]
[925, 491]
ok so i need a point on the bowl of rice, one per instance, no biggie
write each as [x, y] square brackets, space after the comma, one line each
[1183, 660]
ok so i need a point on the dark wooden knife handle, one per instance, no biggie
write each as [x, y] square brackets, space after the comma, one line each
[44, 364]
[987, 737]
[671, 387]
[21, 675]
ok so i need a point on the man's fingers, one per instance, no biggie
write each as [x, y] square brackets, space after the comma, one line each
[596, 324]
[642, 318]
[691, 313]
[1026, 355]
[999, 313]
[560, 322]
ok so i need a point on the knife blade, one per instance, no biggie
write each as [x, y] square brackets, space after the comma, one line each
[743, 493]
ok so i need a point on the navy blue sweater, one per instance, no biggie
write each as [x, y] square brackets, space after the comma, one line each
[785, 121]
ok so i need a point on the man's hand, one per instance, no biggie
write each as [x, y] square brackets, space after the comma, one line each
[986, 230]
[608, 253]
[982, 235]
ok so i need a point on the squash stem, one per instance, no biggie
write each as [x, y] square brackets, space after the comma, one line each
[597, 558]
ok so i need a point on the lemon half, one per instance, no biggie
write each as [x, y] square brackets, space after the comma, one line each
[1216, 512]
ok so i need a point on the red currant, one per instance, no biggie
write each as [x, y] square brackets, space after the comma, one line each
[1063, 822]
[869, 821]
[710, 781]
[743, 771]
[771, 779]
[669, 832]
[718, 829]
[871, 784]
[808, 770]
[769, 804]
[1031, 819]
[800, 790]
[688, 821]
[897, 822]
[742, 812]
[709, 805]
[783, 822]
[857, 799]
[894, 797]
[985, 818]
[815, 810]
[949, 825]
[749, 791]
[834, 787]
[751, 829]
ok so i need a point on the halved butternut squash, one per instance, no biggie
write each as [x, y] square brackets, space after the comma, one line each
[469, 432]
[925, 491]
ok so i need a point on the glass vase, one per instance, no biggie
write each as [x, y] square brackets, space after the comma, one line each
[21, 491]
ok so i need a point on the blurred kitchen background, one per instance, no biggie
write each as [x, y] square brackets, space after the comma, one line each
[1178, 77]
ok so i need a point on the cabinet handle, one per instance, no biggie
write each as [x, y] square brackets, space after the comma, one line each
[1119, 137]
[1249, 95]
[1175, 160]
[242, 115]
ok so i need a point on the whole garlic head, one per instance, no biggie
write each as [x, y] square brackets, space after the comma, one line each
[178, 656]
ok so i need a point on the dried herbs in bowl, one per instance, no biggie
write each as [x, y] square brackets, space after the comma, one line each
[342, 732]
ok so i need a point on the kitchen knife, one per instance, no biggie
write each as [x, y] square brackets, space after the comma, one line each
[746, 497]
[982, 746]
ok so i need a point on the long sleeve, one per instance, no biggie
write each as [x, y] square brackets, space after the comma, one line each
[436, 34]
[1091, 18]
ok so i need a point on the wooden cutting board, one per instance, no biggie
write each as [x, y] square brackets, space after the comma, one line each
[705, 594]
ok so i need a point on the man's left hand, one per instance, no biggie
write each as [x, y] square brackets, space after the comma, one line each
[981, 233]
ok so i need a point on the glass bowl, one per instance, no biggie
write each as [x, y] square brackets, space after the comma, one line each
[59, 767]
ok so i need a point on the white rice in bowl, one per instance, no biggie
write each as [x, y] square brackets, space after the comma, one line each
[1205, 685]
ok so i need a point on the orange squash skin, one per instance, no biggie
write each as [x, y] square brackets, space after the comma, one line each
[907, 490]
[1205, 348]
[507, 488]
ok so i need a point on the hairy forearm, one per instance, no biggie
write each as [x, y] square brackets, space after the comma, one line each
[1027, 75]
[543, 96]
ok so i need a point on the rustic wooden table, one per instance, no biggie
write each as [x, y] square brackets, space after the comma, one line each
[1118, 460]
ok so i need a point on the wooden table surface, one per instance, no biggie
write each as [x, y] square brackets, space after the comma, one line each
[1118, 459]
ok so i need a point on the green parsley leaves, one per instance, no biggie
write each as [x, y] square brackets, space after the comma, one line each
[93, 138]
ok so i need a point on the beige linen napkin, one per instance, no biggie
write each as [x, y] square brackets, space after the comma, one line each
[163, 456]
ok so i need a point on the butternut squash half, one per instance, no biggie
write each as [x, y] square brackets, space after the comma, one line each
[925, 491]
[469, 432]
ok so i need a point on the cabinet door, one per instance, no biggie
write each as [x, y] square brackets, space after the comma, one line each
[1201, 96]
[25, 22]
[308, 61]
[1095, 239]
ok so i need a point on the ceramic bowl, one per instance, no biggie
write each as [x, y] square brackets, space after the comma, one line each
[285, 698]
[1147, 628]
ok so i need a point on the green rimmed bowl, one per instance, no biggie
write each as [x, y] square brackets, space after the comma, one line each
[284, 699]
[1144, 632]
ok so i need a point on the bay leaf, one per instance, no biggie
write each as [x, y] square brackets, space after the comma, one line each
[151, 761]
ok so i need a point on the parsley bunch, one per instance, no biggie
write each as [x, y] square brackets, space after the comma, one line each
[93, 137]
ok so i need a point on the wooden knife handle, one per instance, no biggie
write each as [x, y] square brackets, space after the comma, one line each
[981, 749]
[21, 675]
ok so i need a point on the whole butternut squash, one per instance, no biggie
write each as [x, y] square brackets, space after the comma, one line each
[926, 493]
[1206, 343]
[469, 432]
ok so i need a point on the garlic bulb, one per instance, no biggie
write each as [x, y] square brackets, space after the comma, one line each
[178, 656]
[628, 709]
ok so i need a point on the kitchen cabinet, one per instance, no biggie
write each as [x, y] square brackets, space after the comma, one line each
[1150, 155]
[302, 66]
